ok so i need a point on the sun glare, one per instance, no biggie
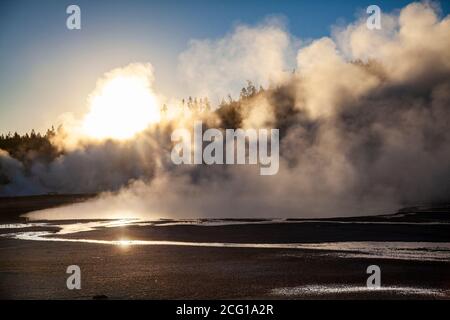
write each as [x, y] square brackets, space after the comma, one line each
[124, 243]
[123, 106]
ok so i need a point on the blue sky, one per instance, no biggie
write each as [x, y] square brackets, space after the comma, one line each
[47, 70]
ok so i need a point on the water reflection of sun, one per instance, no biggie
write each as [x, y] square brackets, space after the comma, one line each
[124, 243]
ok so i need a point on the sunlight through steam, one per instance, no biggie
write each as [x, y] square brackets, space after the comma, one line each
[121, 106]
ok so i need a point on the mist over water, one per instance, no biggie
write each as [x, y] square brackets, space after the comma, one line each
[364, 129]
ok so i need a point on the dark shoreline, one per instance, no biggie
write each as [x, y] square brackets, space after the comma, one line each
[165, 272]
[308, 232]
[37, 269]
[11, 208]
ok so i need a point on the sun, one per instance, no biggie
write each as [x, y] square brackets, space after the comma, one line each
[120, 107]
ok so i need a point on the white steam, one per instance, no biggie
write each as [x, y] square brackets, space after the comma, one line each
[364, 129]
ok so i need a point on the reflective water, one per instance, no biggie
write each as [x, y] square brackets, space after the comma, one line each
[421, 251]
[318, 290]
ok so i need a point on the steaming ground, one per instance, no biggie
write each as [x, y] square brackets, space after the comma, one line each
[363, 126]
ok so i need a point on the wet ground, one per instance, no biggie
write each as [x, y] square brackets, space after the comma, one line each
[228, 259]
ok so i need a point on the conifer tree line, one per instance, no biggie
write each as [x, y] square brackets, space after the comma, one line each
[34, 145]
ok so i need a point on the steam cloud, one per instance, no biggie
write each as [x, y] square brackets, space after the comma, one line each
[364, 126]
[216, 68]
